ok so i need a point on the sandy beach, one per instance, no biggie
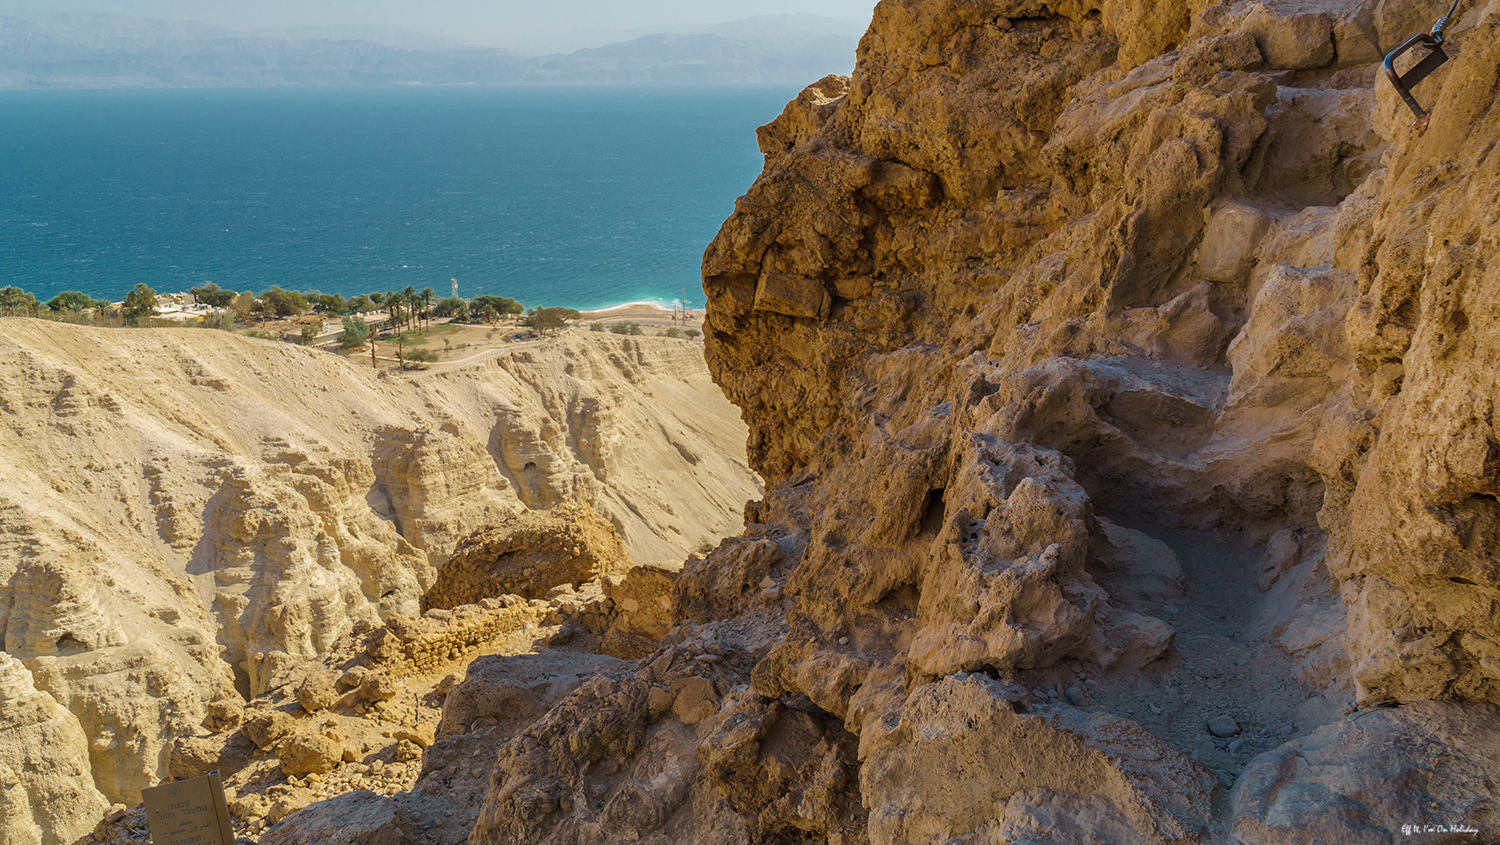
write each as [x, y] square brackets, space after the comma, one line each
[646, 314]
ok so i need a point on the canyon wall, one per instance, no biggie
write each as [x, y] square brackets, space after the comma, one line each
[187, 514]
[1122, 384]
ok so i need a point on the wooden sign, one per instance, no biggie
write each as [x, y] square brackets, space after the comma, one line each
[189, 812]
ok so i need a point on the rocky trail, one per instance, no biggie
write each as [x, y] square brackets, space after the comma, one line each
[1224, 663]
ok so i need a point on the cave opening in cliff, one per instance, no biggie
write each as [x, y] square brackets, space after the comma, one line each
[932, 514]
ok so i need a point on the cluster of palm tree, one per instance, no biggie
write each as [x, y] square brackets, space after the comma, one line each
[16, 302]
[407, 308]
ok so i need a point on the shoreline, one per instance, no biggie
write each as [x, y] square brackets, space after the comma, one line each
[649, 311]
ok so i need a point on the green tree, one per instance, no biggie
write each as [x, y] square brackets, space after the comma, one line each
[620, 328]
[139, 303]
[452, 306]
[692, 333]
[421, 356]
[72, 300]
[327, 304]
[15, 301]
[355, 333]
[393, 308]
[244, 305]
[672, 332]
[550, 319]
[500, 305]
[213, 296]
[310, 331]
[283, 303]
[596, 327]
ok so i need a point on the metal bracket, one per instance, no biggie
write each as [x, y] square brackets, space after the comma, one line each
[1434, 59]
[1420, 71]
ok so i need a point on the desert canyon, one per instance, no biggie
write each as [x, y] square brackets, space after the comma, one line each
[1119, 381]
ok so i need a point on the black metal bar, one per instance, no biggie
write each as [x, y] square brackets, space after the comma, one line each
[1433, 43]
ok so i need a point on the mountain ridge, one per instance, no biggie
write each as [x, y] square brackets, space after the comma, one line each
[45, 50]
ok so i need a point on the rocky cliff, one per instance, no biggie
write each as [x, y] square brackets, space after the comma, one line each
[1120, 377]
[186, 516]
[1121, 381]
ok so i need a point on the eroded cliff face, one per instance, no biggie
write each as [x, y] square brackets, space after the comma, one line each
[187, 516]
[1121, 379]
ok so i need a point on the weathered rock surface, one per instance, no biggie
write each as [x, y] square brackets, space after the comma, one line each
[47, 795]
[1119, 379]
[186, 516]
[1335, 784]
[527, 555]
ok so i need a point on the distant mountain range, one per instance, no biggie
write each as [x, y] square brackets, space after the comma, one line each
[43, 50]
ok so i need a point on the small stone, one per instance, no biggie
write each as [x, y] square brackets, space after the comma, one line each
[1155, 711]
[1075, 696]
[843, 640]
[1234, 747]
[1223, 726]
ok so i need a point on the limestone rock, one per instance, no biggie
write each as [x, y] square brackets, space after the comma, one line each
[267, 730]
[316, 693]
[226, 491]
[958, 732]
[224, 715]
[356, 818]
[528, 555]
[1427, 763]
[194, 756]
[305, 753]
[47, 796]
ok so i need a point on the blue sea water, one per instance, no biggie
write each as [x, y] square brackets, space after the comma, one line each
[554, 196]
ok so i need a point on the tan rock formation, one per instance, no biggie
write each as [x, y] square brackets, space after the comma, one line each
[1119, 379]
[47, 794]
[187, 515]
[528, 555]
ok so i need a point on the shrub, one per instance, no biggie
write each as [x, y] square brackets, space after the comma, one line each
[223, 320]
[355, 333]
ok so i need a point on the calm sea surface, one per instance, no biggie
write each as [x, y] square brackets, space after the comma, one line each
[561, 196]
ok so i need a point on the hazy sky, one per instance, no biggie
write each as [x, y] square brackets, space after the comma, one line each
[527, 25]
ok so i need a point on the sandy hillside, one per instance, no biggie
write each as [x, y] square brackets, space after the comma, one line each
[185, 512]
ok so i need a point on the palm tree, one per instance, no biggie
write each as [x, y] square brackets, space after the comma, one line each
[428, 294]
[393, 306]
[410, 295]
